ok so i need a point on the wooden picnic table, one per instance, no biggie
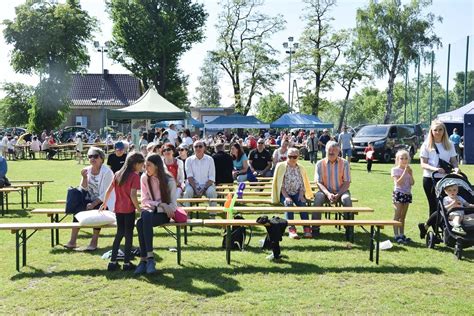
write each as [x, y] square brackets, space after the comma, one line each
[39, 192]
[24, 190]
[4, 192]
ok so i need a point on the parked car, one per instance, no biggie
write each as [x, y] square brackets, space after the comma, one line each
[18, 131]
[387, 140]
[68, 133]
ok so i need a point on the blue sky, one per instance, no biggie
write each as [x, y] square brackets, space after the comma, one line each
[458, 22]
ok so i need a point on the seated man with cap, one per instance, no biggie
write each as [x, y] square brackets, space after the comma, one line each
[201, 174]
[116, 159]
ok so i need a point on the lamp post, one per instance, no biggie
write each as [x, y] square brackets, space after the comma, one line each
[102, 49]
[291, 49]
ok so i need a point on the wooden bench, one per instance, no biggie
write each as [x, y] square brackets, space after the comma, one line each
[375, 226]
[21, 238]
[40, 188]
[24, 191]
[54, 214]
[4, 192]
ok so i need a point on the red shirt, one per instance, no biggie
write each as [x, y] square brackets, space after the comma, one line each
[252, 143]
[173, 168]
[123, 202]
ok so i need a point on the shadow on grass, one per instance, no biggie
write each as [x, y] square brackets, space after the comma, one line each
[16, 214]
[220, 279]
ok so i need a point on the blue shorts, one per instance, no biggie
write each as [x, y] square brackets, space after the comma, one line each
[346, 153]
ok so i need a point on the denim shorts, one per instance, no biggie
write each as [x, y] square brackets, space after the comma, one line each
[346, 153]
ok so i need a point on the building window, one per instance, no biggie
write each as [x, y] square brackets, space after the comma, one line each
[81, 121]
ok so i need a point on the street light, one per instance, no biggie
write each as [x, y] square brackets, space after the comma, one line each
[291, 49]
[102, 49]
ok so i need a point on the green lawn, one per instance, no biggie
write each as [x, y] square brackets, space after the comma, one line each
[319, 276]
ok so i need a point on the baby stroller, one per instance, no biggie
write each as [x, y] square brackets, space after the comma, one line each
[442, 229]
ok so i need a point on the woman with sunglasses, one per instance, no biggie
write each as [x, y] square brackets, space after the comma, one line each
[183, 155]
[291, 187]
[96, 179]
[240, 162]
[175, 167]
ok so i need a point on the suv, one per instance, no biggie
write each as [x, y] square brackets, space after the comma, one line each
[387, 140]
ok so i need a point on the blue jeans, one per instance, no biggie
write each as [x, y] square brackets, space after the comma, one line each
[296, 202]
[145, 225]
[346, 153]
[313, 156]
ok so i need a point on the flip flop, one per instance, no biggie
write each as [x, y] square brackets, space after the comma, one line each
[69, 247]
[89, 248]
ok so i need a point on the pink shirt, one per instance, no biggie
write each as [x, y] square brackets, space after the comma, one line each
[404, 186]
[147, 200]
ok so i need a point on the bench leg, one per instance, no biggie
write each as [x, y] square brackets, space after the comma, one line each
[38, 193]
[178, 244]
[52, 231]
[17, 250]
[22, 198]
[185, 235]
[227, 243]
[371, 245]
[2, 203]
[6, 201]
[56, 217]
[377, 240]
[23, 236]
[27, 198]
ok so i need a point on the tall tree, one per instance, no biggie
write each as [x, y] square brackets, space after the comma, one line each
[50, 40]
[149, 37]
[367, 106]
[271, 107]
[208, 89]
[395, 34]
[15, 105]
[243, 49]
[353, 69]
[458, 89]
[320, 48]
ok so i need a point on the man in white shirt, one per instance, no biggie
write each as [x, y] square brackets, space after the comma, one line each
[201, 174]
[4, 145]
[345, 141]
[172, 134]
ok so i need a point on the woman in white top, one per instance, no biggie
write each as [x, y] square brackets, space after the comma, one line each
[436, 147]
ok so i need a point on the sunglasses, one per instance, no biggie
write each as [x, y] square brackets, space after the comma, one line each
[261, 143]
[181, 149]
[293, 157]
[199, 146]
[95, 156]
[168, 149]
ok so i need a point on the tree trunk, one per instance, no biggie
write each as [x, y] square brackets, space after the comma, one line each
[344, 110]
[388, 107]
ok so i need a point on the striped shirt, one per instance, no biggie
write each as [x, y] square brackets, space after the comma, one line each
[332, 174]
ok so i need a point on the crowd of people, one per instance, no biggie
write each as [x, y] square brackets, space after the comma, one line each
[168, 165]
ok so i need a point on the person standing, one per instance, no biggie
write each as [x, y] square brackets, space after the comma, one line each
[312, 146]
[172, 134]
[455, 139]
[369, 152]
[323, 140]
[116, 159]
[345, 141]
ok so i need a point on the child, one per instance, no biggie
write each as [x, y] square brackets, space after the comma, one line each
[402, 176]
[79, 148]
[126, 183]
[369, 155]
[452, 200]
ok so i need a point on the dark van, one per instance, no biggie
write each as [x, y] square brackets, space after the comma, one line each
[387, 140]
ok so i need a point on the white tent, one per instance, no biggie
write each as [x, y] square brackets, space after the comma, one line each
[456, 116]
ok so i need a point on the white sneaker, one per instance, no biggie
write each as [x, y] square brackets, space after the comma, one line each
[293, 234]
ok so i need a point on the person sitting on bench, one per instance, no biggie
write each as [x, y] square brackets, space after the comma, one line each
[333, 176]
[3, 172]
[201, 174]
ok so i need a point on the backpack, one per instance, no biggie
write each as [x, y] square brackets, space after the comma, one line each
[238, 236]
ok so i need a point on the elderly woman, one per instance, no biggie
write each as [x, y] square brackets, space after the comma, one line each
[96, 178]
[291, 187]
[437, 147]
[175, 166]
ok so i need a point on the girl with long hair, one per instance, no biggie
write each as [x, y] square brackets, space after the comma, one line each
[126, 183]
[158, 189]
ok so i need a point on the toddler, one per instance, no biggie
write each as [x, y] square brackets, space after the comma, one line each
[452, 200]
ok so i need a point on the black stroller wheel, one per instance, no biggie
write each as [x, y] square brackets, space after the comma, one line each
[458, 251]
[430, 240]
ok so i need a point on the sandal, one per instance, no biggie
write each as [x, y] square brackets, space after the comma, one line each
[70, 247]
[89, 248]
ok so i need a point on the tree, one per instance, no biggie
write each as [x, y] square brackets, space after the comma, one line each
[395, 34]
[49, 40]
[350, 72]
[243, 49]
[149, 37]
[320, 48]
[271, 107]
[208, 89]
[367, 106]
[14, 107]
[458, 90]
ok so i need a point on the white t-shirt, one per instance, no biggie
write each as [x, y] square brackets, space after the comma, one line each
[345, 140]
[433, 158]
[201, 170]
[188, 141]
[5, 142]
[172, 135]
[35, 146]
[278, 156]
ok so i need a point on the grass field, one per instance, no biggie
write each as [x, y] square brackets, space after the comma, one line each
[324, 276]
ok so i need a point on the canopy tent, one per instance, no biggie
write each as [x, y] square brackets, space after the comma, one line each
[298, 120]
[456, 116]
[235, 121]
[150, 106]
[189, 122]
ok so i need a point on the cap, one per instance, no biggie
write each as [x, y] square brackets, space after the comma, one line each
[119, 145]
[184, 146]
[325, 130]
